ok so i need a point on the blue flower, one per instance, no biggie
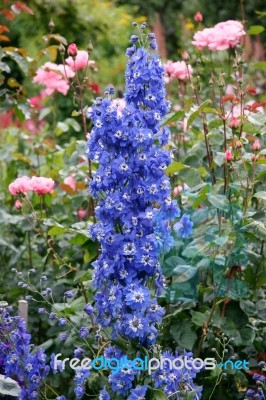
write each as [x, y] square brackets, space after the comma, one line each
[83, 332]
[184, 226]
[104, 395]
[17, 360]
[138, 393]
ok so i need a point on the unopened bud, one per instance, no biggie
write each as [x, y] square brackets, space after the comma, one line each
[18, 204]
[221, 82]
[90, 47]
[51, 24]
[61, 49]
[234, 122]
[256, 145]
[239, 144]
[198, 17]
[72, 50]
[254, 157]
[228, 155]
[185, 55]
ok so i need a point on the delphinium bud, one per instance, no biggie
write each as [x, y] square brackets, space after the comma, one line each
[69, 294]
[153, 44]
[133, 39]
[143, 26]
[88, 309]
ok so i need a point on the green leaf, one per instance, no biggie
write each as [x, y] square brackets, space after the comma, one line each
[171, 263]
[57, 231]
[184, 272]
[190, 176]
[194, 113]
[79, 239]
[260, 195]
[4, 67]
[175, 167]
[192, 395]
[21, 61]
[198, 318]
[219, 201]
[9, 387]
[175, 117]
[183, 334]
[256, 30]
[155, 394]
[257, 119]
[260, 65]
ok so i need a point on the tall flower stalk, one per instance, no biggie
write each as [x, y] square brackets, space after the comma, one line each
[134, 203]
[134, 211]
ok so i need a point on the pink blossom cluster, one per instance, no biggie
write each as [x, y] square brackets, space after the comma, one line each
[220, 37]
[38, 184]
[56, 76]
[177, 70]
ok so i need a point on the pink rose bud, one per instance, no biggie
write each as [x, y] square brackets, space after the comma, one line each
[18, 204]
[239, 144]
[198, 17]
[234, 123]
[81, 213]
[72, 50]
[228, 155]
[256, 145]
[177, 190]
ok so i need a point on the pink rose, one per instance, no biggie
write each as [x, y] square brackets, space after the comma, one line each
[54, 77]
[72, 50]
[221, 37]
[81, 60]
[198, 17]
[20, 185]
[178, 70]
[71, 182]
[41, 185]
